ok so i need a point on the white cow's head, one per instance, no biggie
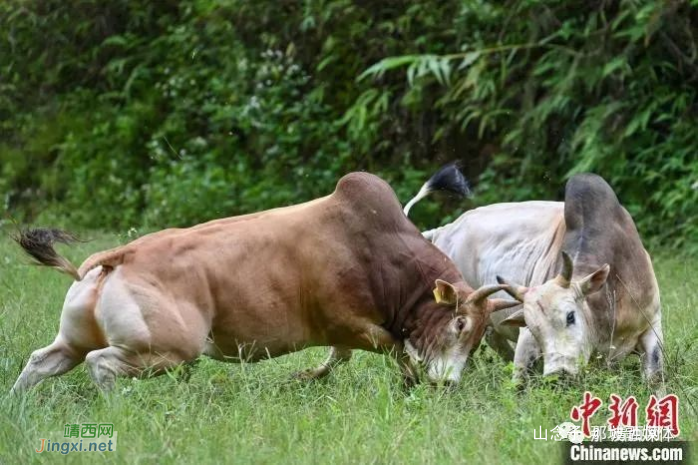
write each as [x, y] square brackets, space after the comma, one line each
[451, 328]
[556, 314]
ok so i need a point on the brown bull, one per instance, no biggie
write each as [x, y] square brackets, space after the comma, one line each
[348, 270]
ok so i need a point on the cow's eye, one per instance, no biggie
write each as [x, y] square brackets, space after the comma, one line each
[570, 318]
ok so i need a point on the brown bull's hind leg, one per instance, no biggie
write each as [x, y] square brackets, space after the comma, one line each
[338, 356]
[105, 365]
[53, 360]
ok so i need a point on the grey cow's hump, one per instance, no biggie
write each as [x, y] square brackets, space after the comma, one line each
[589, 202]
[598, 227]
[599, 231]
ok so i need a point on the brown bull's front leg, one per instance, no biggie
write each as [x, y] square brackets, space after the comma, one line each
[378, 339]
[338, 355]
[409, 375]
[372, 338]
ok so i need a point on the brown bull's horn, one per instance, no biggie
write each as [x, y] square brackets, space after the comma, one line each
[483, 292]
[500, 304]
[565, 277]
[517, 291]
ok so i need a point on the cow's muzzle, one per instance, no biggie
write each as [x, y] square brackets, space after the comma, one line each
[561, 378]
[560, 367]
[447, 384]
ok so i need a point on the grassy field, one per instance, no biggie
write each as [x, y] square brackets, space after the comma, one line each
[360, 414]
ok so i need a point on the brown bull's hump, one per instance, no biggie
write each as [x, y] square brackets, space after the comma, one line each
[370, 196]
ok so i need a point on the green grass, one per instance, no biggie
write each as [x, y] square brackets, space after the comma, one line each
[359, 414]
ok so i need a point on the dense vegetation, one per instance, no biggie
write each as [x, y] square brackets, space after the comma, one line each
[128, 113]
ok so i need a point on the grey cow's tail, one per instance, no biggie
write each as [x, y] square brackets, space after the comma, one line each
[39, 242]
[447, 179]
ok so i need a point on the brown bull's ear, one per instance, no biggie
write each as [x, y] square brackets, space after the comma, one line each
[445, 293]
[515, 290]
[495, 305]
[516, 319]
[595, 281]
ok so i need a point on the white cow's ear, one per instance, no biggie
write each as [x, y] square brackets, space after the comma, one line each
[595, 281]
[516, 319]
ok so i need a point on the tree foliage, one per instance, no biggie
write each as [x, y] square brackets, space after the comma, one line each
[127, 113]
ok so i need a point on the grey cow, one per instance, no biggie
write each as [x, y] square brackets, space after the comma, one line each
[579, 267]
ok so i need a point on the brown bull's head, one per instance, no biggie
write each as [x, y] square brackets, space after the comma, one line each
[446, 338]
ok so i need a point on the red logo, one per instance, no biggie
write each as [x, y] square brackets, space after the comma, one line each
[664, 413]
[624, 413]
[585, 411]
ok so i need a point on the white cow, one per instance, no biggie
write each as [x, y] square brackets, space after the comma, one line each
[587, 284]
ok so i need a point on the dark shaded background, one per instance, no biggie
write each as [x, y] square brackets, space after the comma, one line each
[119, 114]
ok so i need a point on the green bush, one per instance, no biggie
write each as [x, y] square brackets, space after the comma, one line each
[119, 114]
[560, 88]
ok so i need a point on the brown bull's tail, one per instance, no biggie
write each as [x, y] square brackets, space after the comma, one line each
[39, 244]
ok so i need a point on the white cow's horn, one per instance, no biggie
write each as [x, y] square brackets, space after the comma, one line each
[517, 291]
[565, 277]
